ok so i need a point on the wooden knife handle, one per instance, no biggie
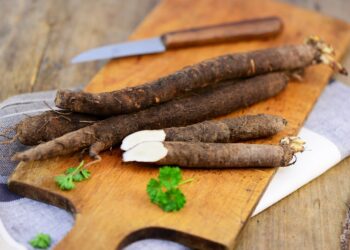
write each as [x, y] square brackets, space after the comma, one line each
[227, 32]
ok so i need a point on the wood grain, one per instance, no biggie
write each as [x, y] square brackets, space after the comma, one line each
[38, 38]
[310, 218]
[332, 201]
[114, 200]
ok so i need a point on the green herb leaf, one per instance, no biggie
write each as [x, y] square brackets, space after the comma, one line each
[165, 192]
[80, 175]
[85, 173]
[76, 174]
[174, 200]
[154, 190]
[41, 241]
[170, 177]
[70, 170]
[65, 182]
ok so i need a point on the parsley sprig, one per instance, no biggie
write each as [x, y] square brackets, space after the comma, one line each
[165, 191]
[71, 175]
[41, 241]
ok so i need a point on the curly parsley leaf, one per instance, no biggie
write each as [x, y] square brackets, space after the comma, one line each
[154, 190]
[170, 176]
[165, 192]
[174, 200]
[41, 241]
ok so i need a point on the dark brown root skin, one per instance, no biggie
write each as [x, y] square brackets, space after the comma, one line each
[202, 105]
[50, 125]
[228, 130]
[211, 155]
[200, 75]
[241, 128]
[222, 155]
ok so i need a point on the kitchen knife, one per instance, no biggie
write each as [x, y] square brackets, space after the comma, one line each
[227, 32]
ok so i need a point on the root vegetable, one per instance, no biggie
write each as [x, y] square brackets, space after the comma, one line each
[200, 75]
[215, 155]
[225, 130]
[50, 125]
[202, 105]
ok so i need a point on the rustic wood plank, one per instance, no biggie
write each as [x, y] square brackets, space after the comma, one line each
[338, 9]
[31, 60]
[312, 217]
[106, 198]
[38, 39]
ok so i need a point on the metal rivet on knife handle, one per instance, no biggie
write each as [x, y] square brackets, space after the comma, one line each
[228, 32]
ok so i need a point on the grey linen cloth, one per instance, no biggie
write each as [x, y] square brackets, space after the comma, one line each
[24, 218]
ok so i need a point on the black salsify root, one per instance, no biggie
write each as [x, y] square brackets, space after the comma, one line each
[60, 113]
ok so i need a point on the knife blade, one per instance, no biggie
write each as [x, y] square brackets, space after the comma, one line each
[260, 28]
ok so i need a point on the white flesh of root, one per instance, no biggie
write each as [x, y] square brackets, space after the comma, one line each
[142, 136]
[146, 152]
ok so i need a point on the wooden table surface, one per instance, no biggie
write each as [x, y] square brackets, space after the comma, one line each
[38, 39]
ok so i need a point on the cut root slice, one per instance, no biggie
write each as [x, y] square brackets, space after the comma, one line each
[142, 136]
[146, 152]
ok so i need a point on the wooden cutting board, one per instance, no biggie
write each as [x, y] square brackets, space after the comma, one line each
[112, 208]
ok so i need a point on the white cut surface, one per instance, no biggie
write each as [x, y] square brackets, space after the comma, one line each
[146, 152]
[142, 136]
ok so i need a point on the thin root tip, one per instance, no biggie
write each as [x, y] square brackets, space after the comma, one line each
[17, 157]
